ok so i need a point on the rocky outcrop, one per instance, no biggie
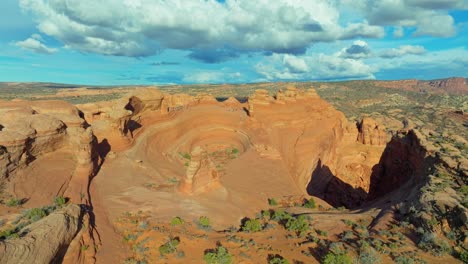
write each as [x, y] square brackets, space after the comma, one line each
[201, 173]
[261, 97]
[45, 241]
[31, 129]
[371, 133]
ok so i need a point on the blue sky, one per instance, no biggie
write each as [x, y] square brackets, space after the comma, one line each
[112, 42]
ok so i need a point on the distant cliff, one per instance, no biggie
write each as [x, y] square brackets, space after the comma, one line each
[456, 85]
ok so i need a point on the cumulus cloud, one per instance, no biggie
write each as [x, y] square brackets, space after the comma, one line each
[34, 43]
[313, 66]
[430, 17]
[143, 27]
[358, 50]
[403, 50]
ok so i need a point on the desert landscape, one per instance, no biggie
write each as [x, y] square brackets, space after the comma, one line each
[366, 171]
[233, 131]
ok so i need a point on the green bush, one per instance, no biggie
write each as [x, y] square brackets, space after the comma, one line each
[298, 225]
[177, 221]
[368, 255]
[272, 202]
[309, 203]
[204, 222]
[280, 216]
[404, 260]
[251, 226]
[464, 189]
[220, 255]
[60, 201]
[35, 214]
[332, 258]
[13, 202]
[169, 247]
[9, 233]
[464, 256]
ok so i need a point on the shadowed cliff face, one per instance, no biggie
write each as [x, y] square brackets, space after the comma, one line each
[403, 159]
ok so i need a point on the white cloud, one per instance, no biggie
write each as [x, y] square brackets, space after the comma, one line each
[456, 58]
[295, 64]
[403, 50]
[143, 27]
[430, 17]
[34, 43]
[319, 66]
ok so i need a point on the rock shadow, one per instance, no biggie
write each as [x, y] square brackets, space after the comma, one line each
[325, 185]
[403, 159]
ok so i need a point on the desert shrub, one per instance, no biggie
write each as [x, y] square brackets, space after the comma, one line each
[321, 232]
[186, 156]
[309, 203]
[266, 214]
[204, 222]
[13, 202]
[404, 260]
[347, 235]
[251, 226]
[464, 256]
[35, 214]
[60, 201]
[367, 255]
[169, 247]
[277, 259]
[220, 255]
[333, 258]
[272, 202]
[298, 225]
[336, 254]
[438, 247]
[9, 233]
[280, 216]
[177, 221]
[464, 189]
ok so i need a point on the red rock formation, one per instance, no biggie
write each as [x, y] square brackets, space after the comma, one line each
[201, 174]
[371, 133]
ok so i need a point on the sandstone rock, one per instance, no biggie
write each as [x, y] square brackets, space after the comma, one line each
[371, 133]
[46, 241]
[261, 96]
[201, 173]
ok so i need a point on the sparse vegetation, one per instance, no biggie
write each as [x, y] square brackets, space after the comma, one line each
[204, 222]
[60, 201]
[299, 225]
[309, 203]
[177, 221]
[169, 247]
[272, 202]
[252, 225]
[13, 202]
[220, 255]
